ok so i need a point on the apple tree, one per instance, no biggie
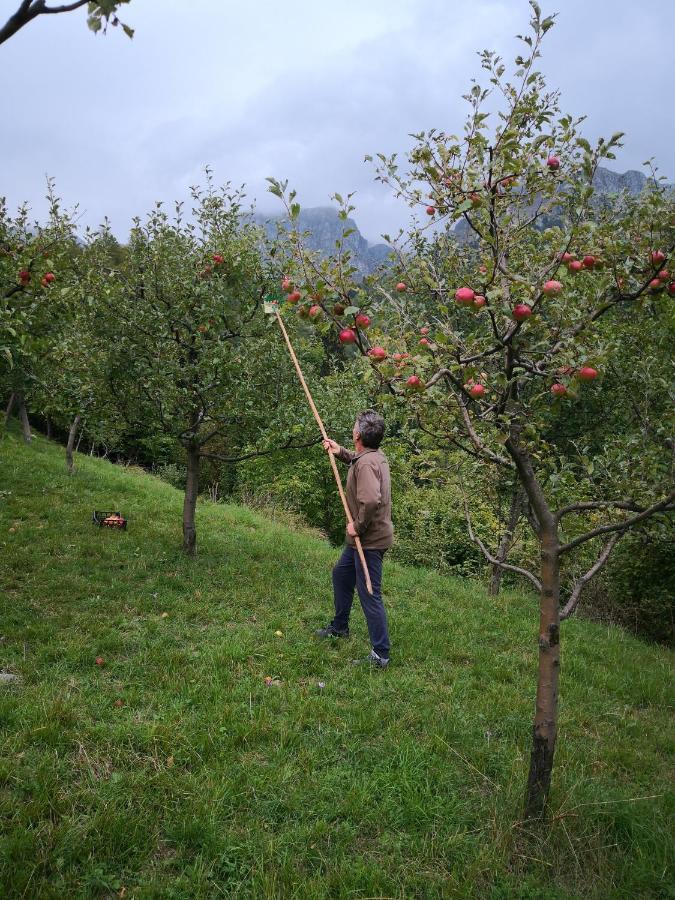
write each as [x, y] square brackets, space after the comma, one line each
[183, 346]
[512, 294]
[36, 300]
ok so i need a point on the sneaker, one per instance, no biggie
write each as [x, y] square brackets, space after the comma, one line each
[373, 659]
[330, 631]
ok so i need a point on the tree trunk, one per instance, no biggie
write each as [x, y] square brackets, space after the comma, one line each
[190, 501]
[545, 728]
[546, 715]
[48, 423]
[507, 540]
[75, 424]
[10, 407]
[23, 416]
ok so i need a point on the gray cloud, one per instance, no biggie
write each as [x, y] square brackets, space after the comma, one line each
[299, 91]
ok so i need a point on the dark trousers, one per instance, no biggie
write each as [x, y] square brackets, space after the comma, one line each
[347, 575]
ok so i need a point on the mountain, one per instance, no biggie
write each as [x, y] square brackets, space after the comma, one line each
[324, 228]
[605, 182]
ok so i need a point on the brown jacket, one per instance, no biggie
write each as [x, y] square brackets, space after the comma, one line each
[369, 497]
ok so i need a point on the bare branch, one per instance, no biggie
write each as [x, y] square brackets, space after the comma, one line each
[476, 441]
[581, 583]
[29, 10]
[598, 504]
[493, 559]
[256, 453]
[666, 504]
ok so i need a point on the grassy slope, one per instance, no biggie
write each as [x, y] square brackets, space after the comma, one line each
[206, 782]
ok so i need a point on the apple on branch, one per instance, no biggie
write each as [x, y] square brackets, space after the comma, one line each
[464, 295]
[476, 389]
[521, 311]
[552, 288]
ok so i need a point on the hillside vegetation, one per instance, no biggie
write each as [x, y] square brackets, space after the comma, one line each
[173, 770]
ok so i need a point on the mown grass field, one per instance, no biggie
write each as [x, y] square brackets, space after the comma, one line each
[174, 771]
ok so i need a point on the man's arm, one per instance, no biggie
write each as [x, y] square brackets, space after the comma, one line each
[368, 496]
[343, 455]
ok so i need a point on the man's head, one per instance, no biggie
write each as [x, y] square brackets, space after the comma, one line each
[368, 429]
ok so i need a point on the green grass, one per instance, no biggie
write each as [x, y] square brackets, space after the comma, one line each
[206, 783]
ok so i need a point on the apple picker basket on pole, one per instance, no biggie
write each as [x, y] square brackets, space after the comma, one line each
[319, 422]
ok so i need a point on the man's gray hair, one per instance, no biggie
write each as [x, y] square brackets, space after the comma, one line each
[370, 425]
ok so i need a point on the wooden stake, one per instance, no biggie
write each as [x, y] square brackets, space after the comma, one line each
[331, 456]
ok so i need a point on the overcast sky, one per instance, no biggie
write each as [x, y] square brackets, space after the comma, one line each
[299, 90]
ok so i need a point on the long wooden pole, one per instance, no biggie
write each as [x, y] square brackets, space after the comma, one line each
[331, 456]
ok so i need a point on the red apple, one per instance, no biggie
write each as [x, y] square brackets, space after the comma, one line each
[657, 257]
[464, 295]
[655, 284]
[431, 210]
[425, 342]
[558, 389]
[663, 275]
[362, 320]
[588, 262]
[315, 311]
[671, 289]
[286, 285]
[553, 163]
[567, 257]
[476, 390]
[294, 296]
[415, 383]
[587, 373]
[99, 661]
[401, 287]
[521, 311]
[24, 276]
[347, 336]
[377, 353]
[575, 266]
[218, 259]
[479, 301]
[397, 357]
[551, 288]
[425, 330]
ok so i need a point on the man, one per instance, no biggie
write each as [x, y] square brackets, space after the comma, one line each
[369, 499]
